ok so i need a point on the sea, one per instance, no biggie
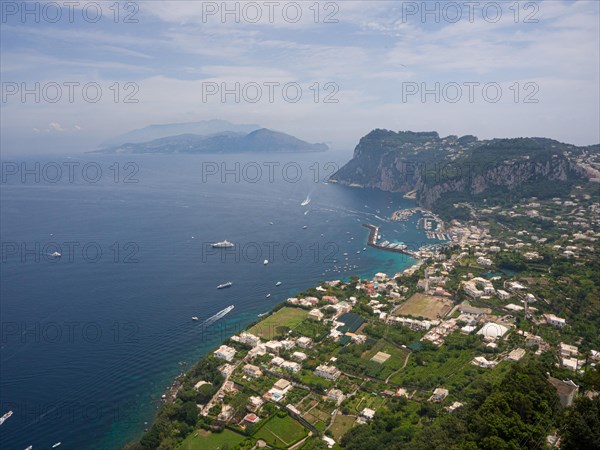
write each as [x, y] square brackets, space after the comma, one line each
[91, 339]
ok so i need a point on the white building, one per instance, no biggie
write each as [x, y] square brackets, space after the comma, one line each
[225, 352]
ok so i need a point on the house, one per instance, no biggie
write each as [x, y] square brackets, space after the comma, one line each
[277, 361]
[328, 372]
[291, 366]
[226, 413]
[570, 363]
[316, 314]
[567, 350]
[252, 371]
[251, 418]
[480, 361]
[225, 352]
[516, 354]
[553, 320]
[229, 386]
[299, 356]
[331, 299]
[254, 403]
[502, 294]
[439, 394]
[368, 413]
[273, 347]
[282, 385]
[304, 342]
[248, 339]
[335, 395]
[226, 369]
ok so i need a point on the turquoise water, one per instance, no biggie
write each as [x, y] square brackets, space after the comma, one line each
[89, 344]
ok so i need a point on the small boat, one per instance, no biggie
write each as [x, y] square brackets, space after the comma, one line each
[225, 285]
[29, 448]
[305, 227]
[56, 445]
[223, 244]
[270, 223]
[306, 201]
[194, 318]
[265, 262]
[268, 295]
[278, 283]
[56, 255]
[364, 249]
[263, 314]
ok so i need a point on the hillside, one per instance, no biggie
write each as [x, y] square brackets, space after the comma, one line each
[450, 169]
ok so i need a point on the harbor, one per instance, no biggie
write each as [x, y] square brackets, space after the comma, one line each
[373, 241]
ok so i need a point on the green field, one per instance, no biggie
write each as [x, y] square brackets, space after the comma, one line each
[364, 400]
[279, 323]
[205, 440]
[281, 432]
[341, 425]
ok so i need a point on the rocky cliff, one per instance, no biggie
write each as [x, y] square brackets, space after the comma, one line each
[462, 168]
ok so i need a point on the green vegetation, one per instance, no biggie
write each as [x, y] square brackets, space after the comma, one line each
[281, 432]
[207, 440]
[279, 323]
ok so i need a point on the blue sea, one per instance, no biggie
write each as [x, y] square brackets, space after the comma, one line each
[90, 340]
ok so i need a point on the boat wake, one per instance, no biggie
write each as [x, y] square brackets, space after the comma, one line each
[218, 316]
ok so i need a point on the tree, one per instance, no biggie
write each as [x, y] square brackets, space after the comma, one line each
[581, 425]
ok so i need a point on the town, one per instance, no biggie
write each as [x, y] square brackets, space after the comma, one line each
[512, 285]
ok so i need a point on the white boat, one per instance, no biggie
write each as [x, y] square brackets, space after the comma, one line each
[56, 445]
[5, 417]
[306, 201]
[29, 448]
[278, 283]
[263, 314]
[225, 285]
[194, 318]
[223, 244]
[265, 262]
[305, 227]
[270, 223]
[56, 255]
[268, 295]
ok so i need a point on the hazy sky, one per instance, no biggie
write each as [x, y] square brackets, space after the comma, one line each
[71, 74]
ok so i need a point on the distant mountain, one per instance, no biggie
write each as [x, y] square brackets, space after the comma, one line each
[438, 171]
[262, 140]
[203, 128]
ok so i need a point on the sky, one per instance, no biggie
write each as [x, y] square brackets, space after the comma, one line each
[75, 73]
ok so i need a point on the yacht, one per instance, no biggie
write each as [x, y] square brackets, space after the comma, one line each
[306, 201]
[223, 244]
[225, 285]
[265, 262]
[278, 283]
[5, 417]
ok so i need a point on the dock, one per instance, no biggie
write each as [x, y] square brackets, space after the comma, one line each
[390, 247]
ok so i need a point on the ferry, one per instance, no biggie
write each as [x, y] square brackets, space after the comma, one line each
[278, 283]
[225, 285]
[223, 244]
[5, 417]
